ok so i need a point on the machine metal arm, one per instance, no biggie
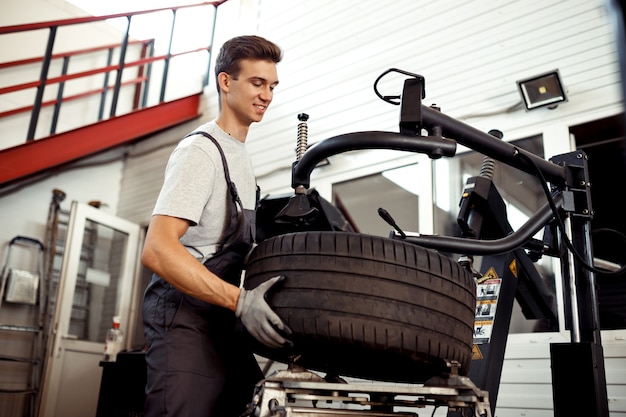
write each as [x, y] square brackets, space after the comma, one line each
[452, 131]
[434, 147]
[506, 244]
[486, 144]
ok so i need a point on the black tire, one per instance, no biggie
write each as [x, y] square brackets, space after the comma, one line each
[365, 306]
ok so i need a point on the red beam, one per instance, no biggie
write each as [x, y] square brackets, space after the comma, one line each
[39, 155]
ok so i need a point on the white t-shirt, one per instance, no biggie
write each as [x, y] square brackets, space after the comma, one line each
[195, 187]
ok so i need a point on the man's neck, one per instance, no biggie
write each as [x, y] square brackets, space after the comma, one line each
[235, 130]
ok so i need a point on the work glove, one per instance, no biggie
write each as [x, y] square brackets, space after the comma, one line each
[259, 318]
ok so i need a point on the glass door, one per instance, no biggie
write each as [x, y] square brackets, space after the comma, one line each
[95, 284]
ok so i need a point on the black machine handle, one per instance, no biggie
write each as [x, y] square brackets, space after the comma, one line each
[454, 131]
[435, 147]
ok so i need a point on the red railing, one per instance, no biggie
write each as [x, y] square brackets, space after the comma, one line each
[133, 67]
[117, 68]
[66, 77]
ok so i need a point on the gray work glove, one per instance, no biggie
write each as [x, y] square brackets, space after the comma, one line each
[259, 318]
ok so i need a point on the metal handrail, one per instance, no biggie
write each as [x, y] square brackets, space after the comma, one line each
[67, 77]
[141, 81]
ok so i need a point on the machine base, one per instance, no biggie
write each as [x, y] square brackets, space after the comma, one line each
[296, 392]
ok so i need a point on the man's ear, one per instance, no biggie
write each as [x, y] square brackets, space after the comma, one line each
[223, 79]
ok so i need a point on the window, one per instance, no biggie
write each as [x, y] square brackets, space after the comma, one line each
[395, 190]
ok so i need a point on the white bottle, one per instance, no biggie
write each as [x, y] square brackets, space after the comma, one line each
[114, 339]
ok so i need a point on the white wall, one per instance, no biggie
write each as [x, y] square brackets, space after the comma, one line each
[31, 11]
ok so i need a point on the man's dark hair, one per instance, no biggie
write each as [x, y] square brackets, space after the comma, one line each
[244, 47]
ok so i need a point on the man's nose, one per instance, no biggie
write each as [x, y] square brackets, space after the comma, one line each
[267, 94]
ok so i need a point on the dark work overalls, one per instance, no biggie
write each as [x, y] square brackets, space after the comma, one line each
[199, 364]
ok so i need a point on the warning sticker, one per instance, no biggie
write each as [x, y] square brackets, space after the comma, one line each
[490, 274]
[513, 267]
[488, 290]
[486, 302]
[482, 331]
[476, 353]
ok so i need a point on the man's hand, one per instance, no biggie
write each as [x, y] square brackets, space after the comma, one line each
[258, 317]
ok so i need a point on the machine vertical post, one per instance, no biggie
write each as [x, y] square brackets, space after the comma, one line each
[583, 358]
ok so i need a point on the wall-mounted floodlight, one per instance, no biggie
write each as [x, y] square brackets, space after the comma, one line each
[542, 90]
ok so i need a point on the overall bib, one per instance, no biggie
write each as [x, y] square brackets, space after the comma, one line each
[199, 363]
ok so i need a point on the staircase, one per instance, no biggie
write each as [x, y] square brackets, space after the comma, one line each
[64, 106]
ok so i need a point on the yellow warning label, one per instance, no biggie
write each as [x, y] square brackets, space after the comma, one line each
[476, 353]
[490, 274]
[513, 267]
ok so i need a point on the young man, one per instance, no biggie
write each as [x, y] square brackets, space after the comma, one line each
[200, 231]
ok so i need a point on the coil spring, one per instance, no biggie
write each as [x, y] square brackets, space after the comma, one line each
[303, 136]
[487, 168]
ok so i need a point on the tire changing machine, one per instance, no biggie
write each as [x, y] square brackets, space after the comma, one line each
[507, 256]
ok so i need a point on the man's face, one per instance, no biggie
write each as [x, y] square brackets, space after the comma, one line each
[249, 96]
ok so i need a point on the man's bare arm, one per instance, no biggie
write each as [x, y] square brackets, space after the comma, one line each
[164, 255]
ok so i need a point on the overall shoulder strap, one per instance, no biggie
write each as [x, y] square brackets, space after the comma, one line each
[231, 185]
